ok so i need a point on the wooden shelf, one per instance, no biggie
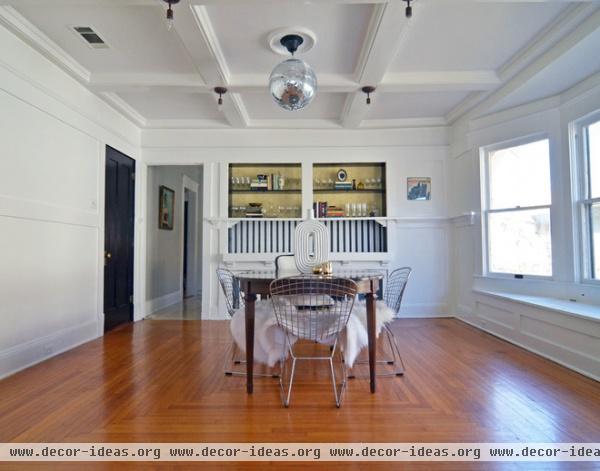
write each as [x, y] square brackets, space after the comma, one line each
[259, 192]
[366, 190]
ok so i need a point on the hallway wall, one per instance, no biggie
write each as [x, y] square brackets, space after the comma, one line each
[165, 247]
[53, 134]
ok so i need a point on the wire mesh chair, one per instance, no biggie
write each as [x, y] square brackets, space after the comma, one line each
[392, 297]
[316, 309]
[234, 299]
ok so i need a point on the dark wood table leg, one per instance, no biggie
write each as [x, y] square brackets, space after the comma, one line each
[250, 299]
[371, 323]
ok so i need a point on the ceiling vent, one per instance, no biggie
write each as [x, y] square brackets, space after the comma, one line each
[90, 37]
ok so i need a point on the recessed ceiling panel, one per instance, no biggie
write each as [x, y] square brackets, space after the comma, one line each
[470, 35]
[323, 106]
[413, 105]
[166, 104]
[571, 68]
[243, 33]
[136, 36]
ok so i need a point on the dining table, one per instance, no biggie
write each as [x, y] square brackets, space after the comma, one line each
[258, 283]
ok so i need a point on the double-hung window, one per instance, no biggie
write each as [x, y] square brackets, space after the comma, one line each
[516, 209]
[588, 194]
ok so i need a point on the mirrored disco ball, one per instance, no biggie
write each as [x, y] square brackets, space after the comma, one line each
[293, 84]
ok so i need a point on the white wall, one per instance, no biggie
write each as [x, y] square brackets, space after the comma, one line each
[164, 248]
[565, 338]
[53, 134]
[419, 237]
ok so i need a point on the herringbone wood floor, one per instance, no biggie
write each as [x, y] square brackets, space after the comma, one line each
[162, 381]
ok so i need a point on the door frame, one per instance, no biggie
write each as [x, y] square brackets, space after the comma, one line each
[193, 187]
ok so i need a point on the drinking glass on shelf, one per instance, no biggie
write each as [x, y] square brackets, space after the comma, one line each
[248, 182]
[234, 211]
[317, 184]
[379, 183]
[363, 212]
[353, 210]
[242, 211]
[330, 182]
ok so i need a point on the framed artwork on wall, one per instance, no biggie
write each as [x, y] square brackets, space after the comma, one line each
[418, 188]
[166, 208]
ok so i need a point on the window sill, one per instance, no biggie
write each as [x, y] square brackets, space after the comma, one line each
[572, 308]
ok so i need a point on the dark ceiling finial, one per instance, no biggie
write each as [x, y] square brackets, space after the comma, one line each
[368, 90]
[220, 91]
[408, 9]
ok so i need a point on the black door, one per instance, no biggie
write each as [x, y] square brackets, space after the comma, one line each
[118, 239]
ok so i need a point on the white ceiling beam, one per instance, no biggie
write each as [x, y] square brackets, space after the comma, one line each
[386, 30]
[200, 41]
[127, 82]
[257, 2]
[409, 82]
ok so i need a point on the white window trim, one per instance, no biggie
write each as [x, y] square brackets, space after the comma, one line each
[484, 154]
[580, 191]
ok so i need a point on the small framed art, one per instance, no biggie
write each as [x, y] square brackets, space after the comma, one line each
[166, 208]
[418, 188]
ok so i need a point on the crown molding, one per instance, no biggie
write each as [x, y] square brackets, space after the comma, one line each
[177, 124]
[29, 33]
[528, 60]
[125, 108]
[403, 123]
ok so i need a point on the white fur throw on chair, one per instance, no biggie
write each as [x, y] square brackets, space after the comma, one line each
[270, 342]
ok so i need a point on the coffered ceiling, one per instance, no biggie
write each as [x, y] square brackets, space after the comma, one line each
[451, 57]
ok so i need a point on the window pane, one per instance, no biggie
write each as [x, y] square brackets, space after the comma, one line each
[595, 226]
[594, 156]
[519, 242]
[520, 176]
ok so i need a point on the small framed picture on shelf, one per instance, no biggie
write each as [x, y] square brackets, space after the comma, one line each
[418, 188]
[166, 208]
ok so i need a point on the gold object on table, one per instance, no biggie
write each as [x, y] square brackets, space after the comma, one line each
[323, 269]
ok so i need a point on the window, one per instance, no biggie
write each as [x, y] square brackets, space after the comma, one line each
[516, 209]
[588, 189]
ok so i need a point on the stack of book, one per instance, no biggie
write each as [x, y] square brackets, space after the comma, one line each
[334, 212]
[343, 186]
[254, 210]
[260, 183]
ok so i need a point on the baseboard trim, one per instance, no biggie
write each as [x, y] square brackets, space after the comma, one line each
[473, 323]
[167, 300]
[27, 354]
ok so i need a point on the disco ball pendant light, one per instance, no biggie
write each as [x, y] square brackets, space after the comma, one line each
[293, 83]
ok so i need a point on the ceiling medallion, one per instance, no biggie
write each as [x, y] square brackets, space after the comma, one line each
[292, 83]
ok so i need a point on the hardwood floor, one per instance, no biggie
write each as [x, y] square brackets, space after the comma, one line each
[162, 381]
[190, 309]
